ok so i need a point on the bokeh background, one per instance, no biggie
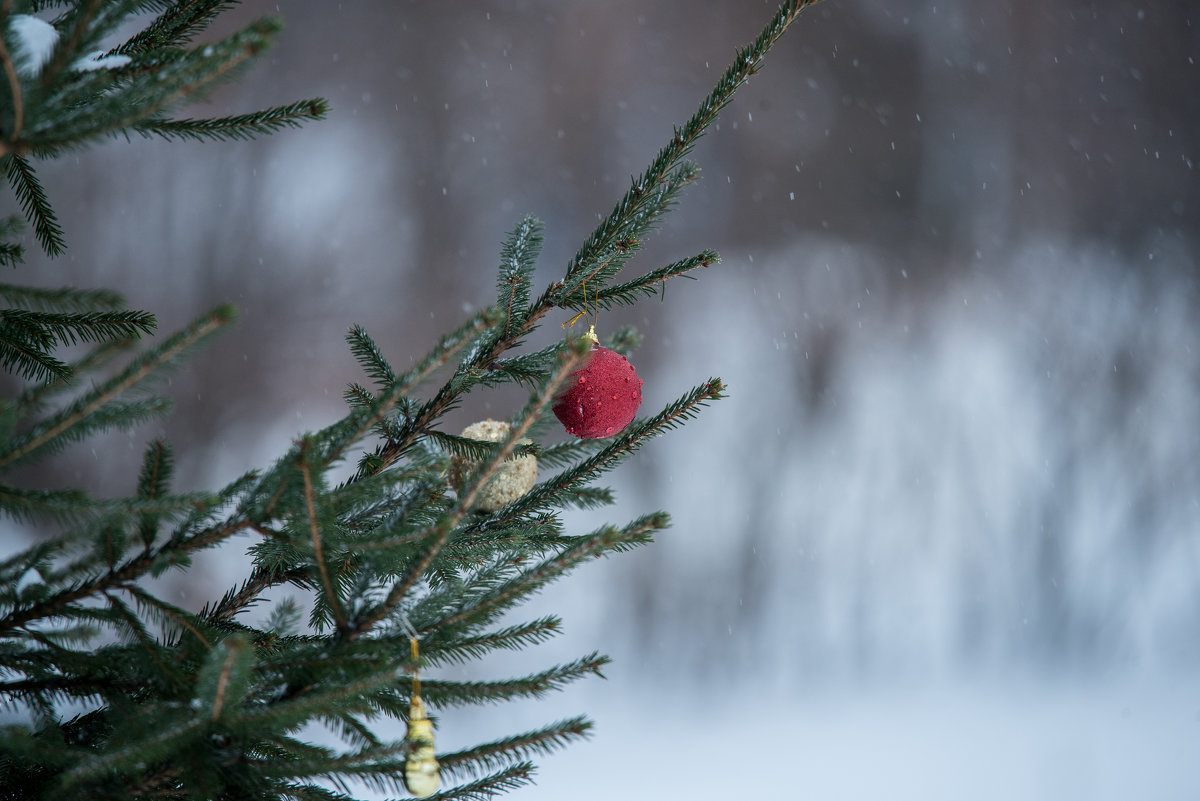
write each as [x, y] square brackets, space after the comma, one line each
[943, 539]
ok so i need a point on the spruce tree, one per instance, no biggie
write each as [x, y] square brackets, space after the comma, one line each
[377, 523]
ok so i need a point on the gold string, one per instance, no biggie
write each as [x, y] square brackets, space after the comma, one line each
[416, 655]
[591, 319]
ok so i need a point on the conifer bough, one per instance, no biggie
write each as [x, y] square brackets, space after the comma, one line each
[119, 693]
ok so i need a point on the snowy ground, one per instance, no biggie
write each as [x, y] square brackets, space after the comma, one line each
[1098, 740]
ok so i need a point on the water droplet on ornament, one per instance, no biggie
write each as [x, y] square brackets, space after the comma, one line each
[608, 430]
[579, 408]
[614, 397]
[583, 379]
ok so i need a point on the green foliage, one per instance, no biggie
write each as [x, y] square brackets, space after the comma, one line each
[209, 704]
[239, 127]
[71, 101]
[34, 203]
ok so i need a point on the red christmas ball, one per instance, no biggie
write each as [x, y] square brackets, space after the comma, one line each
[602, 397]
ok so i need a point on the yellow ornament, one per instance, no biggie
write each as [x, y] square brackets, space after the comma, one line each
[511, 480]
[421, 773]
[420, 766]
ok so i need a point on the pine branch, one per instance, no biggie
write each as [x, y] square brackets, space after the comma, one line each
[76, 424]
[82, 26]
[157, 654]
[250, 592]
[62, 299]
[29, 359]
[357, 396]
[91, 404]
[177, 25]
[318, 553]
[11, 254]
[370, 357]
[161, 736]
[442, 693]
[72, 328]
[75, 505]
[449, 347]
[162, 79]
[172, 615]
[34, 203]
[68, 689]
[242, 127]
[489, 787]
[312, 792]
[631, 222]
[458, 650]
[379, 766]
[154, 482]
[59, 603]
[528, 369]
[584, 497]
[36, 395]
[644, 202]
[568, 451]
[481, 610]
[474, 450]
[528, 537]
[648, 285]
[446, 349]
[351, 729]
[518, 257]
[498, 754]
[225, 677]
[36, 557]
[303, 703]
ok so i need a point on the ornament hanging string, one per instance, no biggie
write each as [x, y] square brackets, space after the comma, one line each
[591, 319]
[415, 651]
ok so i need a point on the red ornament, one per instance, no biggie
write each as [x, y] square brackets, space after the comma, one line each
[603, 398]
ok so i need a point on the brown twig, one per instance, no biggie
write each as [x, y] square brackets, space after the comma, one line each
[14, 83]
[318, 550]
[214, 322]
[132, 569]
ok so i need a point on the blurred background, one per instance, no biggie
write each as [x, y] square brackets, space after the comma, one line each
[943, 539]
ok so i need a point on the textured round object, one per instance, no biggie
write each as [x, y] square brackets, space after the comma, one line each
[602, 398]
[511, 480]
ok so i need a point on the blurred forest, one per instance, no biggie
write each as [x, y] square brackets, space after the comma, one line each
[957, 309]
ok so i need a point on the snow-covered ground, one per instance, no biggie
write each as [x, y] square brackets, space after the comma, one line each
[1099, 740]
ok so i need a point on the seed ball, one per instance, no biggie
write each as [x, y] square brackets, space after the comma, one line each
[602, 397]
[511, 480]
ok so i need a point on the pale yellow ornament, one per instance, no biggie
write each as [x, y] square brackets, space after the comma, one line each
[421, 773]
[511, 480]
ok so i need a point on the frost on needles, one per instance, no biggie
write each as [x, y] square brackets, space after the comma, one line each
[185, 703]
